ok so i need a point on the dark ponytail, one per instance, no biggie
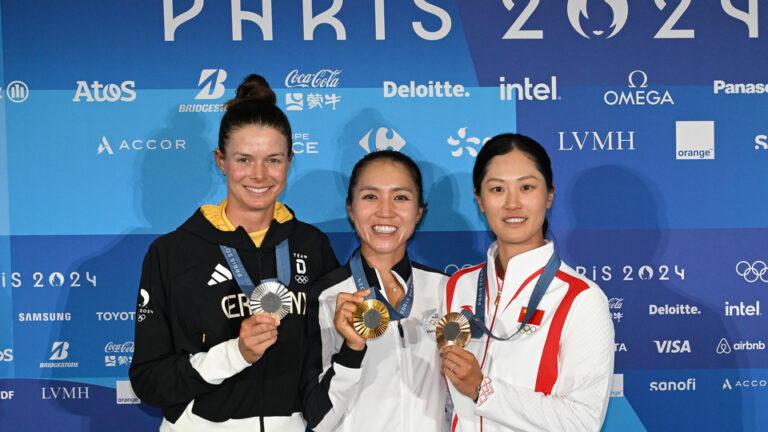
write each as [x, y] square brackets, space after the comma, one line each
[254, 104]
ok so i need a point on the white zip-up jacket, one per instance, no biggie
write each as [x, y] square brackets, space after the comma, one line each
[553, 376]
[398, 386]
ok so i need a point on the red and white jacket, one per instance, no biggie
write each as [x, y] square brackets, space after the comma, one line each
[553, 376]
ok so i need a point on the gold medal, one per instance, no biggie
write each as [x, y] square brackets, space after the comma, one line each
[271, 297]
[453, 329]
[371, 319]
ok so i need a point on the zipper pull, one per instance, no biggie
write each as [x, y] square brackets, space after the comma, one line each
[402, 334]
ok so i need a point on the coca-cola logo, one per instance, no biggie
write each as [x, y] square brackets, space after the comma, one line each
[324, 78]
[615, 302]
[125, 347]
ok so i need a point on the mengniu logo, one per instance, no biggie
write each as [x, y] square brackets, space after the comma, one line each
[17, 91]
[752, 271]
[381, 141]
[579, 18]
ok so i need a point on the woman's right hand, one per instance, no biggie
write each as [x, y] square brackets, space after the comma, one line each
[345, 310]
[257, 333]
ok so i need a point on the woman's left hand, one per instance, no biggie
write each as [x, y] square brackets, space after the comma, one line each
[461, 367]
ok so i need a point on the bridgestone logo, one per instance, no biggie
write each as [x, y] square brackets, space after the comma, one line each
[60, 365]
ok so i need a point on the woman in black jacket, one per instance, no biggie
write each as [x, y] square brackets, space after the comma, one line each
[200, 353]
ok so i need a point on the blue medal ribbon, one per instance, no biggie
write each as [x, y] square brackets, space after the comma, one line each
[477, 321]
[282, 256]
[358, 274]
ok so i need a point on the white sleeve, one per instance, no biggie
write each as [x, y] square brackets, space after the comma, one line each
[583, 383]
[338, 385]
[222, 361]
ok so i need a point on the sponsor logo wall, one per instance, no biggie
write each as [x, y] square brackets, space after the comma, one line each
[659, 158]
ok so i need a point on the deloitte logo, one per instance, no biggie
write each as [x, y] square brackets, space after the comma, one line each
[724, 347]
[637, 93]
[437, 89]
[141, 145]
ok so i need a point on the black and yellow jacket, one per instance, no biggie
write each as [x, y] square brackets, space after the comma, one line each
[189, 314]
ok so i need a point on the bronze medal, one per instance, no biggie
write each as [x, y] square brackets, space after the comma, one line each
[453, 329]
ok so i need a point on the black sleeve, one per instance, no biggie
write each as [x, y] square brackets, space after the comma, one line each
[314, 391]
[160, 376]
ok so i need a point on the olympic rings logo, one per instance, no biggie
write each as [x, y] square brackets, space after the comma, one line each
[529, 330]
[752, 272]
[302, 279]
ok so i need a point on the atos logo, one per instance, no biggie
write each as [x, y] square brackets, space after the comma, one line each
[637, 93]
[212, 81]
[382, 141]
[6, 355]
[577, 12]
[673, 346]
[98, 92]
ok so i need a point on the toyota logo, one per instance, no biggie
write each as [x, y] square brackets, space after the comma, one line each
[752, 272]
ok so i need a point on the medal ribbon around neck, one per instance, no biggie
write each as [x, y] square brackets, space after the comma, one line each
[358, 274]
[477, 321]
[272, 290]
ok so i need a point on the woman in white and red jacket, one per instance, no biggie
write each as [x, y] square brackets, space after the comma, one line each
[549, 369]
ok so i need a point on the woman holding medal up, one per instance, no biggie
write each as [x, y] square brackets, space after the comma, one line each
[390, 381]
[222, 304]
[541, 352]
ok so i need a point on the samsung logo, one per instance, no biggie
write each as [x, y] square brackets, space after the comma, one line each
[45, 316]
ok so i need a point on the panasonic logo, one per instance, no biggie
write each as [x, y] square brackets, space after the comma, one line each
[720, 86]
